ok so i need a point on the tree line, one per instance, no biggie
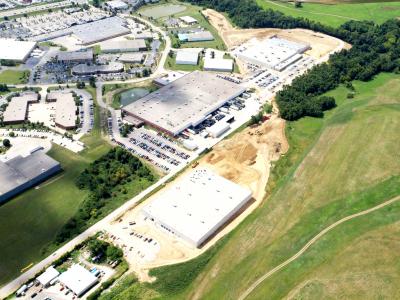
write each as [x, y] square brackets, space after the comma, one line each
[375, 49]
[105, 178]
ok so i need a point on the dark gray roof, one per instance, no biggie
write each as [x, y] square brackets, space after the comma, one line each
[20, 170]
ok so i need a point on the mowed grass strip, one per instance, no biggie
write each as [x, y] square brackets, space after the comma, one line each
[353, 164]
[14, 77]
[336, 14]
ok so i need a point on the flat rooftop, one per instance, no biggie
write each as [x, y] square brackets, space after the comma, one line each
[65, 110]
[270, 52]
[89, 33]
[124, 45]
[20, 170]
[198, 205]
[17, 108]
[15, 50]
[75, 55]
[185, 102]
[78, 279]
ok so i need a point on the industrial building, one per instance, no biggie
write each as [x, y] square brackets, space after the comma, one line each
[185, 102]
[123, 46]
[78, 280]
[117, 5]
[89, 33]
[15, 50]
[65, 111]
[273, 52]
[17, 109]
[132, 58]
[75, 56]
[47, 276]
[187, 57]
[195, 207]
[199, 36]
[84, 70]
[188, 20]
[218, 64]
[21, 173]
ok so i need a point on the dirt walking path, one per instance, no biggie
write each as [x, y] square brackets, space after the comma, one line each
[311, 242]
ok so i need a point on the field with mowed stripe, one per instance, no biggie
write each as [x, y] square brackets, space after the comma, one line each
[336, 14]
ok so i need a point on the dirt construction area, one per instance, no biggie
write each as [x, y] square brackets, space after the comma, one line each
[321, 44]
[244, 158]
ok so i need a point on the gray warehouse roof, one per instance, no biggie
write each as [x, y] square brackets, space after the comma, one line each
[123, 46]
[21, 170]
[184, 102]
[75, 55]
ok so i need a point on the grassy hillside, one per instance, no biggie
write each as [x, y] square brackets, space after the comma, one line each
[353, 165]
[337, 14]
[14, 77]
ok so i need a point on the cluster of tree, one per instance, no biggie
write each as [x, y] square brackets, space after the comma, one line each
[375, 48]
[104, 250]
[4, 88]
[125, 129]
[7, 63]
[104, 178]
[80, 85]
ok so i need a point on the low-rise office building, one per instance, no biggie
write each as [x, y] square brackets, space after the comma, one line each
[123, 46]
[75, 56]
[17, 109]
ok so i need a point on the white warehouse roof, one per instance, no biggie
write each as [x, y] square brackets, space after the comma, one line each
[187, 57]
[47, 276]
[197, 206]
[15, 50]
[116, 4]
[218, 64]
[78, 279]
[188, 19]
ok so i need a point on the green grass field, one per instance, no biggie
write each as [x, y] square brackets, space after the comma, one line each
[337, 14]
[350, 164]
[14, 77]
[336, 166]
[195, 12]
[32, 219]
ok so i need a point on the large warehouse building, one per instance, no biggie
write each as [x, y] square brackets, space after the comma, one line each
[185, 102]
[14, 50]
[21, 173]
[194, 208]
[123, 46]
[273, 52]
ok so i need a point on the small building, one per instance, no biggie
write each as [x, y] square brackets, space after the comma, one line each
[132, 58]
[117, 5]
[15, 50]
[123, 46]
[78, 280]
[218, 64]
[75, 56]
[47, 276]
[17, 109]
[21, 173]
[199, 36]
[187, 57]
[218, 129]
[197, 206]
[188, 20]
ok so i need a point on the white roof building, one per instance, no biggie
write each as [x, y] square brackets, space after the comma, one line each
[197, 206]
[117, 5]
[187, 57]
[15, 50]
[17, 109]
[78, 279]
[47, 276]
[185, 102]
[218, 64]
[65, 111]
[218, 129]
[188, 20]
[271, 52]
